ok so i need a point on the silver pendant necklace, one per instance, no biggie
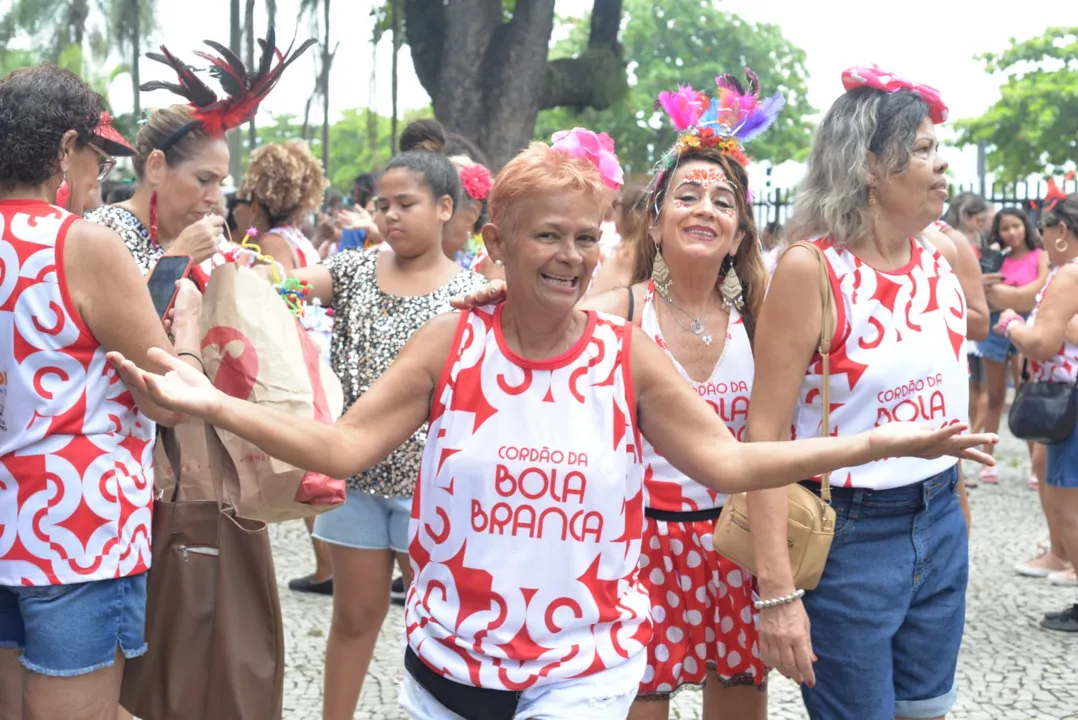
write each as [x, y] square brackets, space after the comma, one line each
[696, 327]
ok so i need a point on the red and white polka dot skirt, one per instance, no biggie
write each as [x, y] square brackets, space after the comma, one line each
[701, 607]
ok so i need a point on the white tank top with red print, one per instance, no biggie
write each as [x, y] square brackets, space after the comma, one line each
[1064, 366]
[76, 478]
[898, 355]
[304, 251]
[726, 391]
[528, 513]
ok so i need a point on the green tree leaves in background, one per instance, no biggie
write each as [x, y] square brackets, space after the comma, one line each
[667, 42]
[351, 151]
[1033, 127]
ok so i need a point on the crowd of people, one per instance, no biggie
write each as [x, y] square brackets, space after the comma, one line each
[554, 381]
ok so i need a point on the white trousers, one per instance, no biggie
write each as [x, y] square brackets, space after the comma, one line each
[606, 695]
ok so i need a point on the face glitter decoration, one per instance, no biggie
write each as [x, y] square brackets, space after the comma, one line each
[707, 178]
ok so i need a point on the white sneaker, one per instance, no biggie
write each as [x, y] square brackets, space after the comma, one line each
[1066, 578]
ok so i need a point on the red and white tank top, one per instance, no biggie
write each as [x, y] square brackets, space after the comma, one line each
[726, 391]
[528, 512]
[1064, 366]
[898, 355]
[76, 473]
[303, 250]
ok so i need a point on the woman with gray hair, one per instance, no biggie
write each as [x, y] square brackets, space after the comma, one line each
[889, 610]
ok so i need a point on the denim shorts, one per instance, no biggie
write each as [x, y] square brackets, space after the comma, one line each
[996, 347]
[68, 630]
[888, 615]
[367, 522]
[1063, 463]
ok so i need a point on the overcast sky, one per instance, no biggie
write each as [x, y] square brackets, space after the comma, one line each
[934, 43]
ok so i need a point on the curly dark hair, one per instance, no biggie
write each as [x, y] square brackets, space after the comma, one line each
[37, 106]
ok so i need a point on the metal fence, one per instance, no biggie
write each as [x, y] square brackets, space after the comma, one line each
[777, 204]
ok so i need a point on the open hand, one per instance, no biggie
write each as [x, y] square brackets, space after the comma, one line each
[490, 294]
[182, 389]
[907, 439]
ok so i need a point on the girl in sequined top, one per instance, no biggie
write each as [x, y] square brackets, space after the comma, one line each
[381, 298]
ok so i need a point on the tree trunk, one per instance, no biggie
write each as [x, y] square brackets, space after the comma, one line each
[235, 45]
[493, 93]
[136, 55]
[395, 4]
[327, 61]
[252, 130]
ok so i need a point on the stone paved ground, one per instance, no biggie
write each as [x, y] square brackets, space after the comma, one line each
[1010, 668]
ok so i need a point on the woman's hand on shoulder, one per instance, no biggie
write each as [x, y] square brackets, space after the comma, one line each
[492, 293]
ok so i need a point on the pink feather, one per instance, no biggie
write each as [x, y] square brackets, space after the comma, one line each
[684, 106]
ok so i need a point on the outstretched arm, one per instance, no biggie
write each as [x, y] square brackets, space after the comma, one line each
[384, 417]
[695, 440]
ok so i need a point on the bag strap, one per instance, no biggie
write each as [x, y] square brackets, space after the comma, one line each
[827, 334]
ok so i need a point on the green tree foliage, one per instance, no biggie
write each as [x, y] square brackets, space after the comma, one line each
[352, 149]
[667, 42]
[1033, 127]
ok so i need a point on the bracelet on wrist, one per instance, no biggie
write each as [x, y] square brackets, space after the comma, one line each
[775, 602]
[196, 356]
[1009, 324]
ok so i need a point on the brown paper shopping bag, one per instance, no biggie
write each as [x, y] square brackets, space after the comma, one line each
[213, 616]
[255, 349]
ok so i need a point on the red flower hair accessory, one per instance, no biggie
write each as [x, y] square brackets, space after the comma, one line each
[476, 181]
[877, 79]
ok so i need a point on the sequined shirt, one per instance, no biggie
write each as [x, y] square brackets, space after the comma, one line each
[131, 230]
[371, 329]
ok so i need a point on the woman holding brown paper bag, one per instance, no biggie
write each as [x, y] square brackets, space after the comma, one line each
[562, 460]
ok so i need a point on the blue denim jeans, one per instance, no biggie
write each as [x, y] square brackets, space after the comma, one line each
[888, 615]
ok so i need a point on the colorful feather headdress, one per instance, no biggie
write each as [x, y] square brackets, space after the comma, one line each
[245, 89]
[726, 121]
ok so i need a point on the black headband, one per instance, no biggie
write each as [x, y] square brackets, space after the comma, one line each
[176, 135]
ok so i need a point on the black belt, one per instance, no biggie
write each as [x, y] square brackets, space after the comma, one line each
[471, 703]
[688, 516]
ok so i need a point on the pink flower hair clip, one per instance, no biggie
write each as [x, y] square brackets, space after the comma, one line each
[597, 149]
[883, 81]
[476, 181]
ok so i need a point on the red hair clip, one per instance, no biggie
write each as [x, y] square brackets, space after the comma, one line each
[877, 79]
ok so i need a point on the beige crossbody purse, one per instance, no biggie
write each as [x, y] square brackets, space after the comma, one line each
[811, 524]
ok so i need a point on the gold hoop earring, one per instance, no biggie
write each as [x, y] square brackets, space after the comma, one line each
[1061, 244]
[660, 273]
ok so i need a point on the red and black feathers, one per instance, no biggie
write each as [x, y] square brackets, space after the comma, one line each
[245, 90]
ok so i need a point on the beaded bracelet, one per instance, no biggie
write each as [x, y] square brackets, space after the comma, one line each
[775, 602]
[1007, 325]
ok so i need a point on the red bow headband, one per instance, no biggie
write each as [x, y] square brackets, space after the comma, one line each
[873, 77]
[1054, 195]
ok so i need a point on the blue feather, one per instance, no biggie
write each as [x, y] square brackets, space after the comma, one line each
[760, 120]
